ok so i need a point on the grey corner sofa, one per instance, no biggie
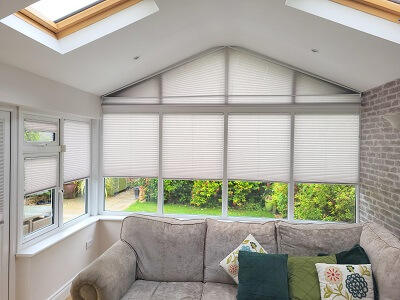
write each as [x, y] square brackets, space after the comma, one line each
[165, 258]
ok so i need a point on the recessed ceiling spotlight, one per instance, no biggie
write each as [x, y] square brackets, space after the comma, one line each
[136, 57]
[315, 50]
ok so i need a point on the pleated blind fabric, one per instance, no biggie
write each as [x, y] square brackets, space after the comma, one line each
[257, 81]
[130, 145]
[40, 126]
[40, 173]
[259, 147]
[193, 146]
[2, 164]
[308, 85]
[77, 156]
[201, 81]
[326, 148]
[145, 92]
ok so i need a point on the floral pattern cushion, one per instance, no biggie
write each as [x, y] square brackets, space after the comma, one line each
[348, 282]
[230, 263]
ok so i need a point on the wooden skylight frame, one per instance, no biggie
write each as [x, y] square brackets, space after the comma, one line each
[385, 9]
[77, 21]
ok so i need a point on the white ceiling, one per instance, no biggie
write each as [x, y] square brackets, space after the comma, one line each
[185, 27]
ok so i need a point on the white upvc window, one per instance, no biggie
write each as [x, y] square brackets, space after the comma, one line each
[54, 175]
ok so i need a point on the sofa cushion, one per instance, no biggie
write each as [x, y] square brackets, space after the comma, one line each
[303, 276]
[222, 237]
[383, 250]
[220, 291]
[262, 276]
[311, 239]
[167, 249]
[146, 290]
[230, 262]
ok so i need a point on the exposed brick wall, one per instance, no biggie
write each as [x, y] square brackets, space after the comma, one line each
[380, 158]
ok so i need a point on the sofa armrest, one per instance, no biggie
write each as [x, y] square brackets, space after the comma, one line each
[107, 278]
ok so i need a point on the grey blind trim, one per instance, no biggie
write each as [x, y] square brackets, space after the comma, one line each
[193, 146]
[40, 126]
[40, 173]
[130, 145]
[2, 171]
[326, 148]
[77, 156]
[259, 147]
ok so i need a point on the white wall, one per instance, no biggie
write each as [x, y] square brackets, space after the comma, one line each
[43, 275]
[109, 233]
[23, 88]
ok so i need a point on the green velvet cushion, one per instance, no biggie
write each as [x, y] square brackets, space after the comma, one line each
[262, 276]
[303, 276]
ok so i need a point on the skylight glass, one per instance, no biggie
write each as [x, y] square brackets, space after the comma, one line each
[58, 10]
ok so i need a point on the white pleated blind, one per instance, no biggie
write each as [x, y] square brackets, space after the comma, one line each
[326, 148]
[145, 92]
[193, 146]
[40, 126]
[40, 173]
[308, 85]
[255, 80]
[130, 145]
[2, 164]
[201, 81]
[77, 157]
[259, 147]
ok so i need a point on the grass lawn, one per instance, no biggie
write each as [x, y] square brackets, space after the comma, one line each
[193, 210]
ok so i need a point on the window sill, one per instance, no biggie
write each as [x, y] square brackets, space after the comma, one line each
[39, 247]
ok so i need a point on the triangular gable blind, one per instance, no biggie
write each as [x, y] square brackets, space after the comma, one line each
[2, 163]
[130, 145]
[145, 92]
[326, 148]
[40, 173]
[259, 147]
[201, 81]
[257, 81]
[77, 155]
[193, 146]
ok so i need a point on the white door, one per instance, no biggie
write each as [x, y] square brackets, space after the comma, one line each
[4, 202]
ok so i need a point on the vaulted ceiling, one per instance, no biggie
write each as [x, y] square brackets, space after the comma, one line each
[185, 27]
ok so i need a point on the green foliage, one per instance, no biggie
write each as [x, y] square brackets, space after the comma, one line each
[250, 194]
[177, 191]
[206, 193]
[278, 199]
[326, 202]
[31, 136]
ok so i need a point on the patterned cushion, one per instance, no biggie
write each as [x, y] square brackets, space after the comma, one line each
[345, 281]
[230, 263]
[262, 276]
[303, 276]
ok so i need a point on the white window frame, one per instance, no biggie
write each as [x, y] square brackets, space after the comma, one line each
[47, 149]
[292, 109]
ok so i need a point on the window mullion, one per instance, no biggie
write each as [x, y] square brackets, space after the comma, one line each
[60, 188]
[160, 200]
[225, 170]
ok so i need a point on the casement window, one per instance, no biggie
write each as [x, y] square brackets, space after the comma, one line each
[232, 134]
[48, 171]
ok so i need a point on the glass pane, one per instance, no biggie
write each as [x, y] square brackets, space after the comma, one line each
[74, 203]
[257, 199]
[40, 131]
[193, 197]
[38, 211]
[131, 194]
[325, 202]
[55, 10]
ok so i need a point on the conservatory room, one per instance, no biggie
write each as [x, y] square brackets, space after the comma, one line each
[208, 150]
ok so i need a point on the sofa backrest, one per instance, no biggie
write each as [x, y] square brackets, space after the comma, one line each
[383, 250]
[166, 249]
[223, 237]
[311, 238]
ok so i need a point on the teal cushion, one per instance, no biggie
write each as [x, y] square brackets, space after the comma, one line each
[263, 276]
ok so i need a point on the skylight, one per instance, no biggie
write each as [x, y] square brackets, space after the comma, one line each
[60, 18]
[58, 10]
[385, 9]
